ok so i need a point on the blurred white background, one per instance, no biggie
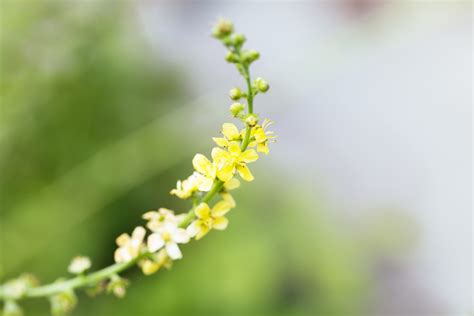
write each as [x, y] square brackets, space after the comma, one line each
[373, 104]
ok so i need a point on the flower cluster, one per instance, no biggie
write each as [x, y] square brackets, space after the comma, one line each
[236, 149]
[158, 243]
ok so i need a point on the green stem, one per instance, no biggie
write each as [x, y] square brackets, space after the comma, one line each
[77, 282]
[108, 272]
[249, 88]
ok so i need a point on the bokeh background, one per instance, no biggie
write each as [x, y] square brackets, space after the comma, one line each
[363, 206]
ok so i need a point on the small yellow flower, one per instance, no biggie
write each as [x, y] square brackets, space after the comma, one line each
[79, 265]
[206, 168]
[156, 262]
[195, 182]
[230, 132]
[168, 236]
[233, 159]
[261, 137]
[157, 219]
[208, 219]
[129, 247]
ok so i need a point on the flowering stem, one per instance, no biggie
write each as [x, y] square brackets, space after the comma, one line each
[85, 280]
[77, 282]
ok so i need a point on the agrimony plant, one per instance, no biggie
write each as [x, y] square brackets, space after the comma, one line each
[157, 246]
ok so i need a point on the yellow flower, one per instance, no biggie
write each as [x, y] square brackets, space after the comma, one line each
[168, 236]
[155, 262]
[129, 247]
[262, 137]
[157, 219]
[195, 182]
[230, 132]
[206, 168]
[233, 159]
[208, 219]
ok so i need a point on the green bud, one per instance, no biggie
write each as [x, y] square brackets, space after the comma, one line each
[250, 56]
[239, 39]
[117, 286]
[261, 85]
[251, 120]
[236, 108]
[11, 308]
[222, 28]
[231, 57]
[235, 94]
[16, 288]
[63, 303]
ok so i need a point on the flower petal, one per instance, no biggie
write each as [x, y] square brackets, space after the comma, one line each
[181, 236]
[226, 172]
[203, 211]
[249, 155]
[201, 164]
[220, 209]
[206, 184]
[220, 141]
[230, 131]
[244, 172]
[219, 154]
[203, 230]
[193, 228]
[234, 148]
[138, 235]
[149, 267]
[263, 148]
[220, 223]
[173, 251]
[232, 184]
[122, 240]
[155, 242]
[229, 199]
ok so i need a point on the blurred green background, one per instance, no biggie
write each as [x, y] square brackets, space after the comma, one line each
[95, 129]
[93, 133]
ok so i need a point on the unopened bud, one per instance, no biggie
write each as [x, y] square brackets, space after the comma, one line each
[231, 57]
[79, 265]
[63, 303]
[261, 85]
[117, 286]
[238, 39]
[251, 120]
[250, 55]
[222, 28]
[235, 94]
[236, 108]
[11, 308]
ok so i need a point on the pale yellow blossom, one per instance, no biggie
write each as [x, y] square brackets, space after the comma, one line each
[129, 247]
[208, 219]
[168, 236]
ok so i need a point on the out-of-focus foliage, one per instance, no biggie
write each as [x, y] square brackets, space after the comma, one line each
[91, 136]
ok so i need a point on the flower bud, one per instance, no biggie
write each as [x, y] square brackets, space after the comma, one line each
[79, 265]
[11, 308]
[222, 28]
[238, 39]
[251, 120]
[236, 108]
[231, 57]
[117, 286]
[63, 303]
[235, 94]
[261, 85]
[250, 56]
